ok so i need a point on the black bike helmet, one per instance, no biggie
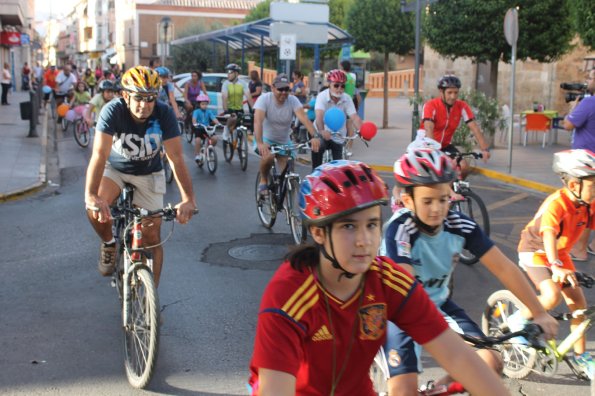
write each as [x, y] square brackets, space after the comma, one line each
[106, 85]
[449, 81]
[233, 67]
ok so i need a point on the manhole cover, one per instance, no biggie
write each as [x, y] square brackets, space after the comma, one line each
[258, 252]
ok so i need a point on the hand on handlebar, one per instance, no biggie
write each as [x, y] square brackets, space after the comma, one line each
[561, 275]
[99, 208]
[326, 135]
[485, 155]
[315, 144]
[263, 149]
[548, 325]
[185, 211]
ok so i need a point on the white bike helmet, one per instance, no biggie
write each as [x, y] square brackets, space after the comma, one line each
[578, 163]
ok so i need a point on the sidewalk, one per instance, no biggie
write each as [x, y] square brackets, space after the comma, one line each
[531, 165]
[22, 159]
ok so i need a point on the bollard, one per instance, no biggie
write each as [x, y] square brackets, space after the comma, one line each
[34, 113]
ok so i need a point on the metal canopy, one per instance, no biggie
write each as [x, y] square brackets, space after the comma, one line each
[255, 34]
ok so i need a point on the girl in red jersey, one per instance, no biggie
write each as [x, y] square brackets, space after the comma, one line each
[323, 315]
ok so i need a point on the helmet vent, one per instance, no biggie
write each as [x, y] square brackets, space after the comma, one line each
[368, 172]
[331, 185]
[351, 178]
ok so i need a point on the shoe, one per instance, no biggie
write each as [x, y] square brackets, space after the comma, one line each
[578, 260]
[586, 364]
[107, 259]
[198, 158]
[263, 190]
[517, 322]
[591, 252]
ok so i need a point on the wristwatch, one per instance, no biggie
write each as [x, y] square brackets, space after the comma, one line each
[557, 263]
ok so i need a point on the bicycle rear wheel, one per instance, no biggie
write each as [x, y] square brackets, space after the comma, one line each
[81, 133]
[227, 150]
[265, 205]
[518, 359]
[64, 123]
[141, 332]
[169, 173]
[188, 133]
[243, 149]
[293, 211]
[211, 159]
[474, 208]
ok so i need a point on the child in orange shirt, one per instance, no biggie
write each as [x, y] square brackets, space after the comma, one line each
[544, 248]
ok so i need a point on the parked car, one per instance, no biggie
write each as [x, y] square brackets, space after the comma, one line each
[213, 83]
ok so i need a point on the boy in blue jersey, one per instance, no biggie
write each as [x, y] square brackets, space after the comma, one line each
[427, 238]
[202, 117]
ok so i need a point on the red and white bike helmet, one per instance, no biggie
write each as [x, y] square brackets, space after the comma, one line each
[336, 76]
[579, 163]
[202, 98]
[422, 167]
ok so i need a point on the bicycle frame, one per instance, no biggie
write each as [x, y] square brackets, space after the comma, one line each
[281, 180]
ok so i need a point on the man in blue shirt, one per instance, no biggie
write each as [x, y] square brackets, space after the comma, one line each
[127, 149]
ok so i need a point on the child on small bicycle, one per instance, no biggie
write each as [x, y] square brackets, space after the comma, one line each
[324, 314]
[545, 244]
[427, 238]
[201, 118]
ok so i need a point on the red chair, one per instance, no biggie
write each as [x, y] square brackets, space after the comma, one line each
[536, 122]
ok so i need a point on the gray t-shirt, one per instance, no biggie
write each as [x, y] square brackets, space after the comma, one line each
[277, 121]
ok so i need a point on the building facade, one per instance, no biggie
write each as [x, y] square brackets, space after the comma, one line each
[16, 35]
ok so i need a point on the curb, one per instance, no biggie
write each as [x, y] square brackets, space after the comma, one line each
[516, 180]
[39, 185]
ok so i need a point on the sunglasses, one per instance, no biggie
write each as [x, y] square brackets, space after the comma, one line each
[148, 99]
[286, 89]
[339, 86]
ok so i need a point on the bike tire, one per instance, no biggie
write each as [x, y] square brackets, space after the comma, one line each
[265, 206]
[474, 208]
[518, 359]
[118, 275]
[188, 133]
[141, 333]
[227, 150]
[169, 173]
[293, 211]
[81, 133]
[64, 122]
[211, 159]
[243, 150]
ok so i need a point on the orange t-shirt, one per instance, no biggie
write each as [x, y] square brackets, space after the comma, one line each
[568, 219]
[50, 78]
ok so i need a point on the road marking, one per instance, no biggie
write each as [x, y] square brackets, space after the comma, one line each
[507, 201]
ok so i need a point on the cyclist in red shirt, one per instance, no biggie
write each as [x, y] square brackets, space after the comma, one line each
[324, 314]
[442, 116]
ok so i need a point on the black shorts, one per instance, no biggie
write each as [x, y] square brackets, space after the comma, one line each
[200, 132]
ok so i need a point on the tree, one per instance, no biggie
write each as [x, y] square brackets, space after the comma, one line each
[338, 11]
[261, 11]
[381, 26]
[475, 29]
[583, 12]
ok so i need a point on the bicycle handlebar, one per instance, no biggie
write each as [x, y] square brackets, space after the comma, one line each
[532, 332]
[168, 213]
[277, 148]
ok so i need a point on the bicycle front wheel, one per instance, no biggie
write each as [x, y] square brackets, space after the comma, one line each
[293, 211]
[81, 133]
[265, 204]
[64, 123]
[227, 150]
[518, 358]
[473, 207]
[141, 331]
[243, 150]
[211, 159]
[188, 133]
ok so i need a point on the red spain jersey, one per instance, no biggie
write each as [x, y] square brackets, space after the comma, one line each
[446, 121]
[563, 215]
[294, 333]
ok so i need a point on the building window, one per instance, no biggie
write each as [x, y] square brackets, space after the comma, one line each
[88, 33]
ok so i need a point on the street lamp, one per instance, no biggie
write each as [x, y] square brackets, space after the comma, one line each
[165, 22]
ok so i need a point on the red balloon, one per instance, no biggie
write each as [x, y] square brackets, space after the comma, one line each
[368, 130]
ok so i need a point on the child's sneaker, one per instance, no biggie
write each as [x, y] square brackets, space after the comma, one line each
[586, 364]
[517, 322]
[198, 159]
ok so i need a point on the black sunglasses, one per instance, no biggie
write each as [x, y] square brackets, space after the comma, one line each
[339, 86]
[148, 99]
[286, 89]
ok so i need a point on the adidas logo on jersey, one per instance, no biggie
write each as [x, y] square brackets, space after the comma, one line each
[322, 334]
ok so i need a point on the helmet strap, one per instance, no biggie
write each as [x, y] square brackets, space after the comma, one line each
[332, 258]
[580, 192]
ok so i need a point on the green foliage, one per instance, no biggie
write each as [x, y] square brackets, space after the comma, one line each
[261, 11]
[338, 11]
[487, 115]
[380, 25]
[196, 56]
[583, 15]
[475, 28]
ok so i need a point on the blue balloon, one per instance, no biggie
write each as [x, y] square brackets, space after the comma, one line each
[46, 89]
[334, 118]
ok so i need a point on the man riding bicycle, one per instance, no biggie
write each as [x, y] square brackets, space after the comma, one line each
[334, 96]
[442, 116]
[273, 115]
[233, 92]
[129, 135]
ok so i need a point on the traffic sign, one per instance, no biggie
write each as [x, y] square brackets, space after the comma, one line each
[511, 26]
[304, 34]
[299, 12]
[287, 47]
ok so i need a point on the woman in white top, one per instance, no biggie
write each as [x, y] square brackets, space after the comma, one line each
[6, 83]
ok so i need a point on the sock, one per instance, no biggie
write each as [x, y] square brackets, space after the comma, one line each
[110, 242]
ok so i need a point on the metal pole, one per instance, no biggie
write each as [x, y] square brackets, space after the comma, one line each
[33, 119]
[243, 53]
[415, 115]
[511, 121]
[261, 55]
[316, 57]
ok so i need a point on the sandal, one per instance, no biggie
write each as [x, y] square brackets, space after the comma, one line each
[591, 252]
[579, 260]
[263, 190]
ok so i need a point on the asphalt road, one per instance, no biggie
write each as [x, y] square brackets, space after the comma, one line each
[59, 326]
